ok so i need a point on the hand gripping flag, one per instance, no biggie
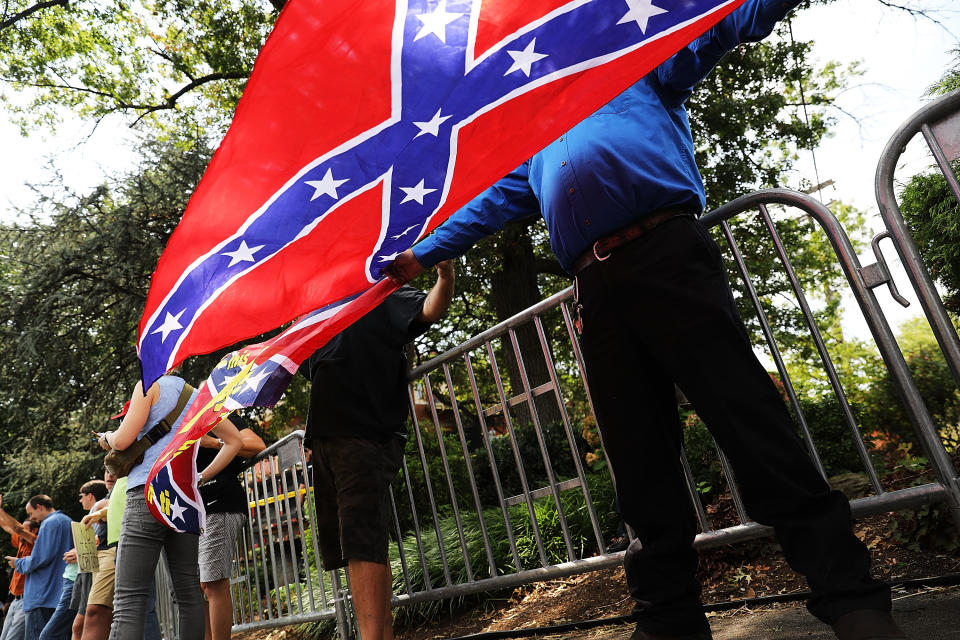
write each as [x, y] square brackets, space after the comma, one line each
[255, 375]
[363, 126]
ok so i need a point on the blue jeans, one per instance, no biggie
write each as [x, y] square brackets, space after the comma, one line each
[61, 622]
[35, 620]
[151, 625]
[142, 538]
[13, 624]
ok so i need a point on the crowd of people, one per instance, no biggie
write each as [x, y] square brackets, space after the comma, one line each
[50, 598]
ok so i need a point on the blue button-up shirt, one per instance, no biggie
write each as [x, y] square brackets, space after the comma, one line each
[630, 158]
[44, 566]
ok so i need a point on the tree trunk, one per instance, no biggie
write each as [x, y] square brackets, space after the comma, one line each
[513, 289]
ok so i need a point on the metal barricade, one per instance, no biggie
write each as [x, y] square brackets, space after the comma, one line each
[483, 347]
[278, 578]
[494, 491]
[939, 125]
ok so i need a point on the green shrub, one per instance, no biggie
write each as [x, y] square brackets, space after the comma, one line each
[578, 523]
[556, 443]
[928, 527]
[831, 434]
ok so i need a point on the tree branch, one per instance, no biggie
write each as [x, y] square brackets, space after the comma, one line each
[146, 109]
[916, 13]
[172, 100]
[9, 22]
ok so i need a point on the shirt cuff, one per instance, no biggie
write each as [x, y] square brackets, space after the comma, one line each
[427, 252]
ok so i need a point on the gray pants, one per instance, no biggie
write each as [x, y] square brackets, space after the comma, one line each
[14, 623]
[142, 538]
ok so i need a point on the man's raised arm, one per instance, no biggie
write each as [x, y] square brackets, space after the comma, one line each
[438, 298]
[9, 524]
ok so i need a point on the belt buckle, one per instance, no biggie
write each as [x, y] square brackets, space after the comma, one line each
[597, 255]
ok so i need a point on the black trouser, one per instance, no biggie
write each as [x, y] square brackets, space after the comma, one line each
[659, 311]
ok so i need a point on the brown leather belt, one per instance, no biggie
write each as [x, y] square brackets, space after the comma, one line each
[602, 248]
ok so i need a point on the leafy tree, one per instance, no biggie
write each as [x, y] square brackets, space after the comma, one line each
[883, 410]
[932, 214]
[75, 278]
[178, 64]
[950, 80]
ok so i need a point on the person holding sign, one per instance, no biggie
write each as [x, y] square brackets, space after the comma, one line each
[85, 545]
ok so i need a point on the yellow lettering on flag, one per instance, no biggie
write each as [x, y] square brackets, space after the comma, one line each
[216, 403]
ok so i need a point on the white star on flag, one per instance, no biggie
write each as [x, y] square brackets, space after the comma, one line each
[640, 12]
[405, 231]
[415, 193]
[326, 185]
[243, 253]
[176, 510]
[170, 323]
[432, 126]
[226, 382]
[254, 381]
[389, 257]
[436, 22]
[523, 60]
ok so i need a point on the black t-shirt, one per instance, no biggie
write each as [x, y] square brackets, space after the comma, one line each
[100, 530]
[359, 378]
[224, 493]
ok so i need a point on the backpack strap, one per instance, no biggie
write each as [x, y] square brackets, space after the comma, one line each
[162, 428]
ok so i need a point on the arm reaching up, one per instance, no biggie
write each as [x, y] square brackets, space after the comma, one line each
[439, 297]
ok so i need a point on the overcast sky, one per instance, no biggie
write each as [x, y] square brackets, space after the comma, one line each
[901, 55]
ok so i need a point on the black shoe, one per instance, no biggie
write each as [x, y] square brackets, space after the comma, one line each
[867, 624]
[644, 635]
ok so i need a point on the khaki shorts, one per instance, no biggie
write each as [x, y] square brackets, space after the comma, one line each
[101, 591]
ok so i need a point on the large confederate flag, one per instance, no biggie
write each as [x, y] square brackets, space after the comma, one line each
[364, 125]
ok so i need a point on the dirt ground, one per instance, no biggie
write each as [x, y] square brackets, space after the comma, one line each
[731, 573]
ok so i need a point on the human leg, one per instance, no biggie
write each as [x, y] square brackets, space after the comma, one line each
[96, 622]
[76, 629]
[371, 587]
[637, 417]
[686, 316]
[217, 545]
[99, 612]
[219, 609]
[35, 620]
[151, 623]
[59, 625]
[141, 538]
[78, 602]
[359, 472]
[13, 624]
[181, 553]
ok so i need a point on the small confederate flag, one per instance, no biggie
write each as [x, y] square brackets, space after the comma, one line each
[366, 124]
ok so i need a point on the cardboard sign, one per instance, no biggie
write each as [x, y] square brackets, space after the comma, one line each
[85, 542]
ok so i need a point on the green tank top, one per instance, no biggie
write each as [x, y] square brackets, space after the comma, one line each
[118, 500]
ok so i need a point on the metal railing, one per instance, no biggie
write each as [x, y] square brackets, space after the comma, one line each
[939, 125]
[495, 490]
